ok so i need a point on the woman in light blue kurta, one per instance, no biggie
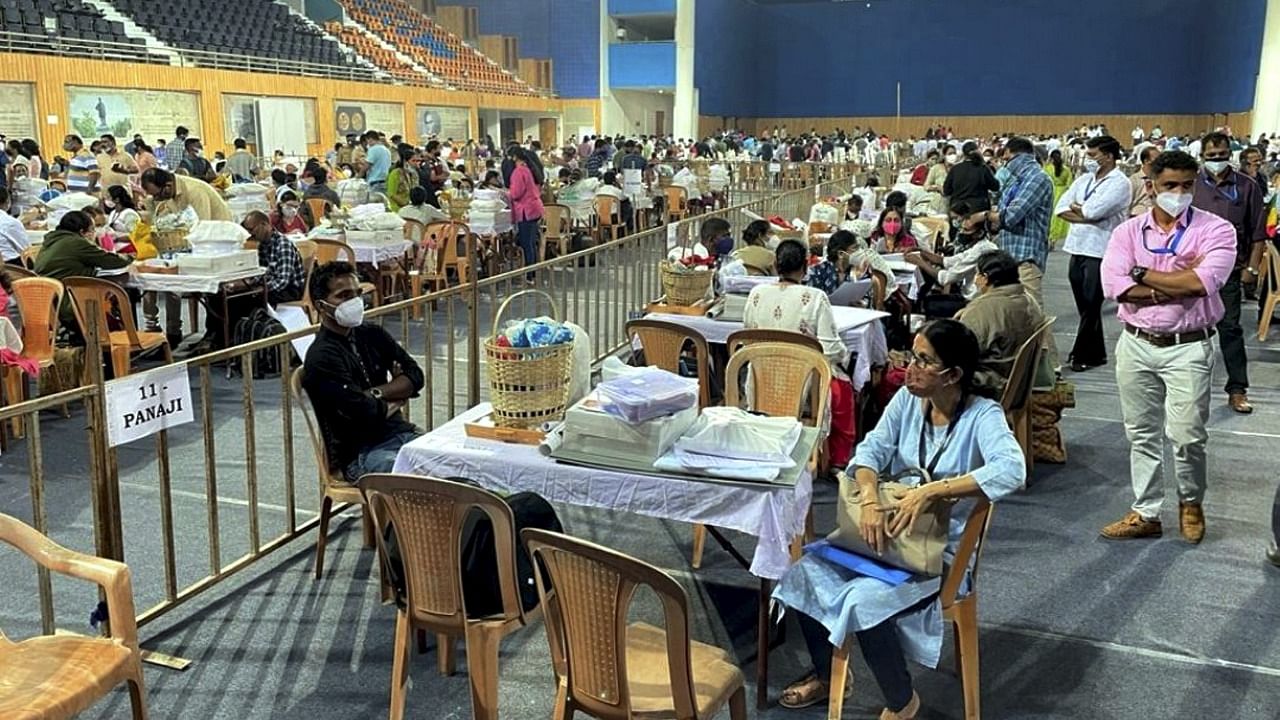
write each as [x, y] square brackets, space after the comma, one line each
[976, 456]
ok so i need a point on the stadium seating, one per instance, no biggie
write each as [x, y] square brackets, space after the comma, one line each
[256, 28]
[383, 58]
[49, 20]
[433, 47]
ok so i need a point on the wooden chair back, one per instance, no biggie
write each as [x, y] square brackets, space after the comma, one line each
[427, 516]
[1017, 392]
[1271, 276]
[664, 343]
[586, 607]
[38, 301]
[105, 293]
[741, 338]
[780, 372]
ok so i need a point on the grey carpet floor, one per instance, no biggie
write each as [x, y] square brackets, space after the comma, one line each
[1072, 626]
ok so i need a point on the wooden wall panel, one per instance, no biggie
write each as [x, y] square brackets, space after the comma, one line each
[52, 74]
[453, 18]
[529, 71]
[493, 46]
[1119, 125]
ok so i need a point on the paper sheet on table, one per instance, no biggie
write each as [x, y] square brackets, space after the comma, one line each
[294, 318]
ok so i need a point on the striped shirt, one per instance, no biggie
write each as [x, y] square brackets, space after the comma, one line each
[174, 153]
[1026, 205]
[82, 172]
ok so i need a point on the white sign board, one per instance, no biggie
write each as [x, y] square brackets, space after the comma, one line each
[146, 403]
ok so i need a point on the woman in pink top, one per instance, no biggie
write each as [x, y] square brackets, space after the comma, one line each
[890, 236]
[526, 206]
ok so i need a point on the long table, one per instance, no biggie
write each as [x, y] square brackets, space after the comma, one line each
[858, 328]
[775, 516]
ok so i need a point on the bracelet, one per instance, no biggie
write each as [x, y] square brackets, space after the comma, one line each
[1153, 295]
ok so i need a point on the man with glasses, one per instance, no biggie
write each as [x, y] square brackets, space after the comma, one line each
[1233, 196]
[1165, 269]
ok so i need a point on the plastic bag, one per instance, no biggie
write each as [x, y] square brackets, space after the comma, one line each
[647, 394]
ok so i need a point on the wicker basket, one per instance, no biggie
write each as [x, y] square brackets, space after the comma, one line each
[683, 288]
[528, 386]
[170, 241]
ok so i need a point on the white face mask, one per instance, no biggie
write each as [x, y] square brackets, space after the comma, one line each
[1174, 203]
[349, 314]
[1090, 165]
[951, 158]
[1216, 166]
[289, 212]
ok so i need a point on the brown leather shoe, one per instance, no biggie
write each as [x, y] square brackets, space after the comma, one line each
[1191, 520]
[907, 713]
[1240, 403]
[1132, 527]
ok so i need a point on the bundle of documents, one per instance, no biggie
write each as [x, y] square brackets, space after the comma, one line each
[732, 443]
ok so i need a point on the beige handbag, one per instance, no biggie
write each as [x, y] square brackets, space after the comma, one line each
[918, 550]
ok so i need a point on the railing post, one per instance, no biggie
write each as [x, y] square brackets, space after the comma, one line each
[473, 322]
[104, 481]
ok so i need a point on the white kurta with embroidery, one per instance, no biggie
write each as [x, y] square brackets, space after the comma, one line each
[845, 602]
[799, 308]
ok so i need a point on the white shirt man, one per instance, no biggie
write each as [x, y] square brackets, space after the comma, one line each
[1137, 134]
[13, 237]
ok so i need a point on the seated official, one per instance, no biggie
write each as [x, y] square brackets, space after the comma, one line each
[419, 210]
[174, 193]
[72, 250]
[941, 424]
[319, 189]
[13, 236]
[611, 185]
[957, 269]
[832, 271]
[1003, 317]
[791, 305]
[285, 277]
[890, 235]
[853, 208]
[289, 217]
[755, 254]
[357, 377]
[898, 201]
[848, 258]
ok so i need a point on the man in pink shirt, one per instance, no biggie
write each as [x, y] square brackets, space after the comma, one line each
[1164, 269]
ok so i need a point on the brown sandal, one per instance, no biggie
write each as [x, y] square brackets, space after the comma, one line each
[809, 691]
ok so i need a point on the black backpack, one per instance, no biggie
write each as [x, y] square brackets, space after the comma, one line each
[258, 325]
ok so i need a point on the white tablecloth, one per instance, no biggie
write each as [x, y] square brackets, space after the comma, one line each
[491, 223]
[858, 328]
[206, 284]
[772, 515]
[379, 253]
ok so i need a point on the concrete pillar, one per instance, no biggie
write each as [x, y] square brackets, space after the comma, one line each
[1266, 101]
[685, 122]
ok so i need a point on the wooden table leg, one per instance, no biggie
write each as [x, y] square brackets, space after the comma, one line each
[762, 645]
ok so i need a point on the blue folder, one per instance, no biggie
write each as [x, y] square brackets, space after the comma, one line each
[857, 563]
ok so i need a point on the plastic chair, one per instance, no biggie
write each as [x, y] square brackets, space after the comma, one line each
[607, 208]
[677, 203]
[38, 301]
[56, 677]
[664, 344]
[29, 255]
[427, 516]
[780, 372]
[741, 338]
[307, 249]
[334, 488]
[961, 612]
[19, 272]
[319, 208]
[329, 250]
[122, 344]
[615, 671]
[1271, 274]
[556, 229]
[1016, 399]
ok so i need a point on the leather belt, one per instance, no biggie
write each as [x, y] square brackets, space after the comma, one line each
[1169, 339]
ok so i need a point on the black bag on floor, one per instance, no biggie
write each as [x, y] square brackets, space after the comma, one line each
[259, 325]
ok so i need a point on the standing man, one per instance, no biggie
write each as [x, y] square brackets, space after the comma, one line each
[1022, 217]
[242, 165]
[1231, 195]
[82, 168]
[378, 158]
[1095, 204]
[194, 163]
[1164, 269]
[114, 164]
[1140, 202]
[176, 149]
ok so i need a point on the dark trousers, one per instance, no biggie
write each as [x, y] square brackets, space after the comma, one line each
[1085, 274]
[1231, 336]
[527, 237]
[881, 649]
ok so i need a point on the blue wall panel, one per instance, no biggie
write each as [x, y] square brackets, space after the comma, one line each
[567, 31]
[977, 57]
[642, 65]
[642, 7]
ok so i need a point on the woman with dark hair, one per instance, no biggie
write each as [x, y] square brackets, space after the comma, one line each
[72, 250]
[755, 253]
[831, 272]
[122, 213]
[526, 206]
[971, 180]
[287, 218]
[791, 305]
[1062, 178]
[890, 235]
[31, 151]
[942, 425]
[402, 178]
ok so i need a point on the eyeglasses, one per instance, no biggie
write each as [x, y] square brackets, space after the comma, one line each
[922, 361]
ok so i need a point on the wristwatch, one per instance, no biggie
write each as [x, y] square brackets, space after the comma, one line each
[1137, 273]
[376, 393]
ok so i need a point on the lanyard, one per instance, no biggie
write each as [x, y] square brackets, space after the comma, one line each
[1232, 196]
[926, 427]
[1090, 189]
[1172, 247]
